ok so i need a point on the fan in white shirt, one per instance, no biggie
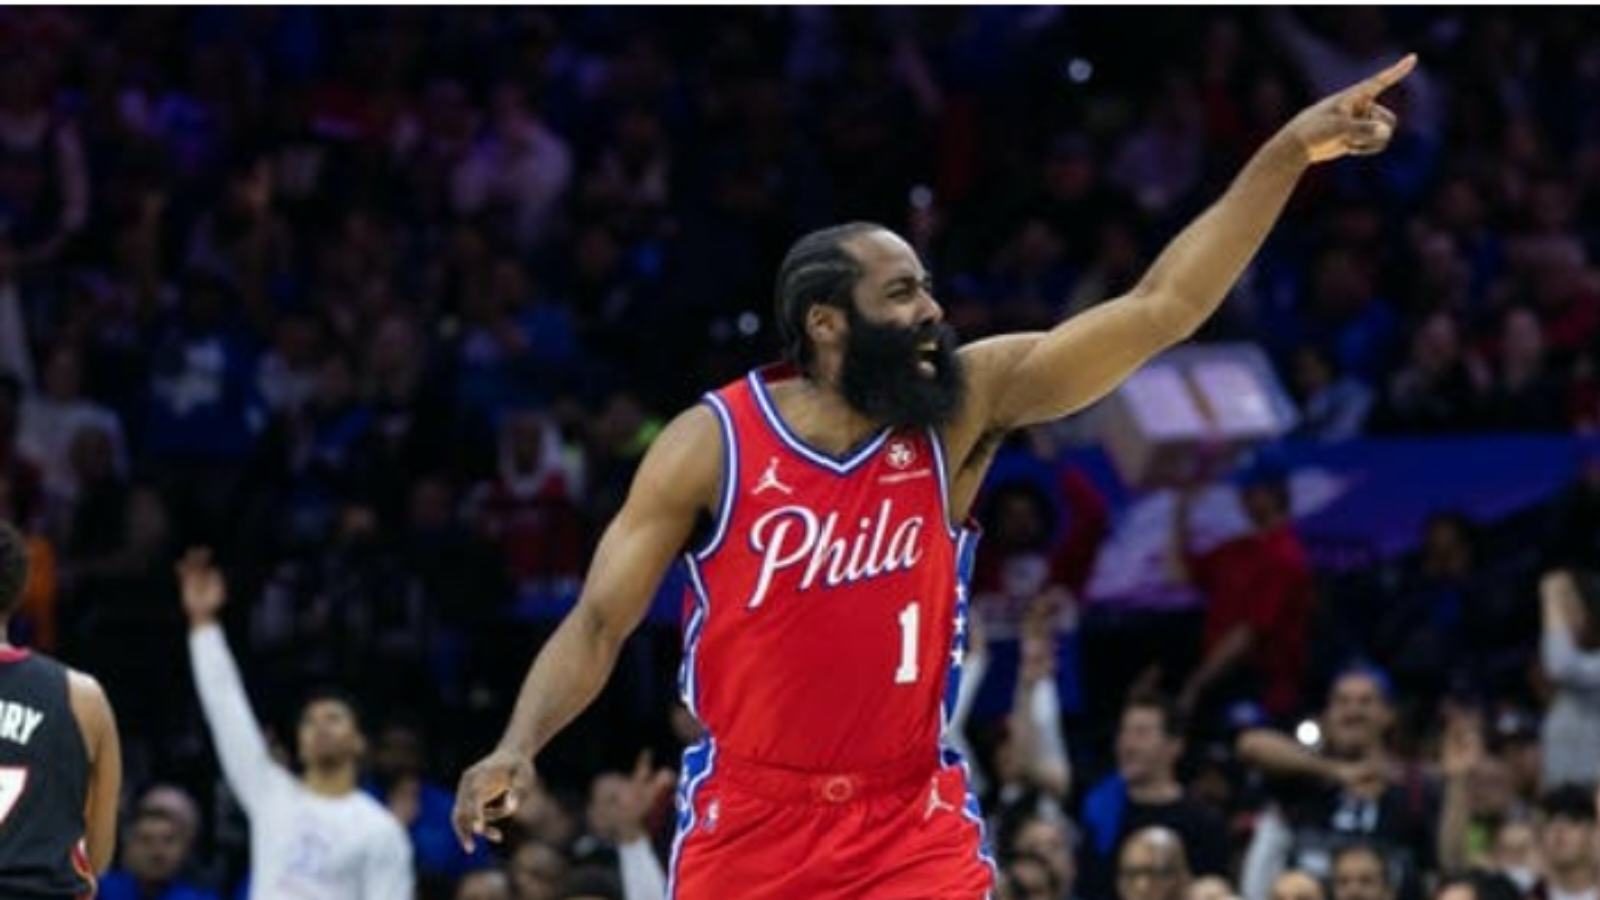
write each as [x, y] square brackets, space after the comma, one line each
[316, 837]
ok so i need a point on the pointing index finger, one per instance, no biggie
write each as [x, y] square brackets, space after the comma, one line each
[1389, 77]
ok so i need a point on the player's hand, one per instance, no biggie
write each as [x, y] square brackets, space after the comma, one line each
[203, 589]
[1351, 122]
[490, 791]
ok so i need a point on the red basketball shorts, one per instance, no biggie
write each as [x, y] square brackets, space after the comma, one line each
[754, 832]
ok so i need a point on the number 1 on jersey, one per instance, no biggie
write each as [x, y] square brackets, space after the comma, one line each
[909, 617]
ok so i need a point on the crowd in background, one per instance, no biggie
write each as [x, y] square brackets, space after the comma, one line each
[385, 305]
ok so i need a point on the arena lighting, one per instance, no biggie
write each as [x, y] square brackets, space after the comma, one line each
[749, 322]
[1079, 70]
[921, 197]
[1308, 733]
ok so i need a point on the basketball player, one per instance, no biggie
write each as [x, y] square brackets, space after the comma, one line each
[318, 837]
[825, 624]
[60, 762]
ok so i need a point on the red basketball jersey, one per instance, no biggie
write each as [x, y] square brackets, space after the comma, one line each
[826, 616]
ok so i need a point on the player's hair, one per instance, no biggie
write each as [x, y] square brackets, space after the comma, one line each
[1369, 849]
[1173, 723]
[13, 567]
[817, 269]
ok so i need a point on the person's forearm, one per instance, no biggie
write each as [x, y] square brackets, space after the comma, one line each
[565, 678]
[1193, 275]
[1280, 754]
[1453, 822]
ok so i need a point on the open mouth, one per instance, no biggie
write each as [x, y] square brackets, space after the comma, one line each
[928, 357]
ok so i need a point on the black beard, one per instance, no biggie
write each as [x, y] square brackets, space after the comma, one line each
[882, 381]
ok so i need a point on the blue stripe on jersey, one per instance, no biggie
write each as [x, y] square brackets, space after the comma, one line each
[730, 476]
[688, 679]
[943, 471]
[698, 761]
[769, 411]
[966, 553]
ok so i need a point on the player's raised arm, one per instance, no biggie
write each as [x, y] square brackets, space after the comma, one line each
[678, 478]
[1023, 379]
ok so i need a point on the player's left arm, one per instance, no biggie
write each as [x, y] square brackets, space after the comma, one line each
[1027, 378]
[99, 726]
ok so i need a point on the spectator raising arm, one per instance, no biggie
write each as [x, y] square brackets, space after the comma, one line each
[241, 748]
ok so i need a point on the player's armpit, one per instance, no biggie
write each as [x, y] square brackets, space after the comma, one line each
[99, 726]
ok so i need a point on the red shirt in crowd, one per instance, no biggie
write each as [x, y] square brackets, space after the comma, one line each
[1262, 580]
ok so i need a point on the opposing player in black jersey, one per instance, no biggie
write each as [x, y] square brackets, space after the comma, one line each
[60, 762]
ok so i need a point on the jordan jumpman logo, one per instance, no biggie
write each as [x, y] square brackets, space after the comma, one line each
[769, 479]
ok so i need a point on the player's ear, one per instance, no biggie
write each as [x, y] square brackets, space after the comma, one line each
[826, 325]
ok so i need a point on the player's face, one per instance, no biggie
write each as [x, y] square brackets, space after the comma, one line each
[1359, 876]
[1143, 749]
[328, 734]
[900, 365]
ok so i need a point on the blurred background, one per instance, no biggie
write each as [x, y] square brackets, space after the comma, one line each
[385, 305]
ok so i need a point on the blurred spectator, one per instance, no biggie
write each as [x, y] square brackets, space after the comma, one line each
[155, 848]
[1517, 855]
[516, 171]
[1049, 840]
[488, 884]
[398, 779]
[1028, 876]
[1523, 394]
[1571, 604]
[52, 420]
[1347, 788]
[1151, 865]
[1435, 390]
[1145, 792]
[1447, 620]
[531, 508]
[44, 181]
[538, 870]
[1333, 406]
[1258, 593]
[1296, 885]
[1567, 845]
[1361, 873]
[1476, 886]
